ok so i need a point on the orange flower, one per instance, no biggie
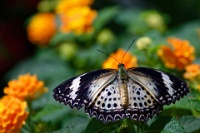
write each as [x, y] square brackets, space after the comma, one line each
[25, 87]
[129, 60]
[193, 75]
[192, 71]
[12, 114]
[65, 5]
[180, 55]
[41, 28]
[78, 20]
[76, 16]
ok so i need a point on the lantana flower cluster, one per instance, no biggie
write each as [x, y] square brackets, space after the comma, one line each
[192, 73]
[13, 105]
[70, 16]
[76, 16]
[178, 55]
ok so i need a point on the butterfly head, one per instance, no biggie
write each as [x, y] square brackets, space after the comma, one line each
[122, 71]
[120, 65]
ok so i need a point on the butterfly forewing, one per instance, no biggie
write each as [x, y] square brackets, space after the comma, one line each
[100, 94]
[80, 90]
[164, 87]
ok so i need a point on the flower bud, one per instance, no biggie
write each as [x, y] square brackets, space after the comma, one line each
[154, 20]
[67, 50]
[105, 37]
[143, 43]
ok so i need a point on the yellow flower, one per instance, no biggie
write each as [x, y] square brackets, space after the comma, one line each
[129, 60]
[41, 28]
[25, 87]
[65, 5]
[76, 16]
[78, 20]
[12, 114]
[180, 54]
[143, 43]
[192, 71]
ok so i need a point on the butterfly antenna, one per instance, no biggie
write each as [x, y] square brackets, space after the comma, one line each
[127, 50]
[107, 55]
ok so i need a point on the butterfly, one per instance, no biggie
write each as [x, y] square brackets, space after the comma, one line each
[137, 93]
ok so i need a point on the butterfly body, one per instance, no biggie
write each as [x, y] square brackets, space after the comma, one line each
[122, 82]
[110, 95]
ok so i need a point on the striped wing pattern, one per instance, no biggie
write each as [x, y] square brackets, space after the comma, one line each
[78, 91]
[98, 92]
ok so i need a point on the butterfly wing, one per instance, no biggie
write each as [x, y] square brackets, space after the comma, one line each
[142, 105]
[82, 90]
[150, 89]
[98, 91]
[164, 87]
[107, 106]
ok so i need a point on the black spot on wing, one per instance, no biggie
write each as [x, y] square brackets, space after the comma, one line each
[138, 114]
[63, 92]
[144, 114]
[179, 86]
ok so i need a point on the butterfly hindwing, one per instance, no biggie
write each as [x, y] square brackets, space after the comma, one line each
[142, 105]
[79, 91]
[107, 105]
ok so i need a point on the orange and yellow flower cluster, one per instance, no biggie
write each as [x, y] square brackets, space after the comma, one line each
[192, 73]
[74, 16]
[26, 87]
[129, 60]
[12, 114]
[13, 105]
[178, 55]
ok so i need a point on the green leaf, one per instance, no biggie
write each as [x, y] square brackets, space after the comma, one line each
[46, 64]
[128, 16]
[159, 124]
[121, 126]
[51, 112]
[182, 104]
[131, 19]
[190, 123]
[96, 126]
[173, 126]
[75, 125]
[61, 37]
[104, 16]
[195, 103]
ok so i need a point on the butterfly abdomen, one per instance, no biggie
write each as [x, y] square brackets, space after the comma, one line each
[122, 81]
[123, 93]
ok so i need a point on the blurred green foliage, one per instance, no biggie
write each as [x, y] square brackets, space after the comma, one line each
[115, 27]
